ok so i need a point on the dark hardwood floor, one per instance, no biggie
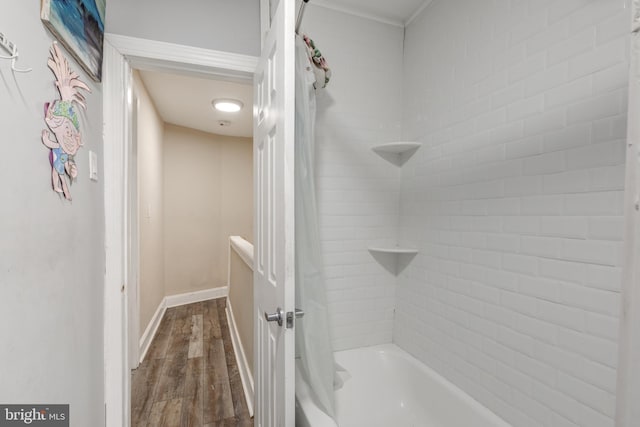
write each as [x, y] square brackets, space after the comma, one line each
[189, 376]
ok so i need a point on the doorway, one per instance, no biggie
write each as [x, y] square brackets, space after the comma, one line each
[122, 54]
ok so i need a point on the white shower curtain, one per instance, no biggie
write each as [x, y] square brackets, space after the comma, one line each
[313, 341]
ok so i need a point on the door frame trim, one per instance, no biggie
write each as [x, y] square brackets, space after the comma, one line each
[121, 54]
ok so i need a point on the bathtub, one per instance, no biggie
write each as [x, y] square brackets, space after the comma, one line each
[385, 386]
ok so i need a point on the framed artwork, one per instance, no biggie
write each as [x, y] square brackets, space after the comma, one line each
[79, 26]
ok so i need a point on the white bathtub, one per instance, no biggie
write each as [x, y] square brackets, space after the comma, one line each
[388, 387]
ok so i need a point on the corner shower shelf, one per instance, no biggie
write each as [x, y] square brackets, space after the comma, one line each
[397, 152]
[393, 259]
[395, 250]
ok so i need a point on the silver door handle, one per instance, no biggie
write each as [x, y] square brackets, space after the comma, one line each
[275, 317]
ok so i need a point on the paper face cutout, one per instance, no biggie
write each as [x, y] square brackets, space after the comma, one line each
[63, 136]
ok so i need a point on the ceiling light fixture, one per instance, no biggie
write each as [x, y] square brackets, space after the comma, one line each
[227, 105]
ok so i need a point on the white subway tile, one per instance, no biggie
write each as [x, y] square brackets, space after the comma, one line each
[562, 270]
[595, 349]
[547, 38]
[566, 182]
[602, 326]
[524, 148]
[542, 205]
[501, 279]
[606, 228]
[514, 378]
[568, 137]
[537, 329]
[515, 340]
[526, 68]
[525, 108]
[569, 93]
[490, 120]
[591, 299]
[545, 247]
[608, 178]
[565, 226]
[503, 242]
[547, 79]
[594, 13]
[545, 164]
[616, 77]
[503, 206]
[598, 203]
[603, 154]
[507, 96]
[575, 45]
[595, 373]
[545, 122]
[560, 314]
[520, 264]
[536, 369]
[533, 24]
[523, 185]
[600, 107]
[506, 133]
[604, 56]
[559, 10]
[521, 225]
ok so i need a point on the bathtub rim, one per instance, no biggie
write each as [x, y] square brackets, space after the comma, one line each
[304, 400]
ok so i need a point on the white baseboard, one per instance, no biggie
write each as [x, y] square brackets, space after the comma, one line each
[241, 359]
[191, 297]
[152, 328]
[174, 301]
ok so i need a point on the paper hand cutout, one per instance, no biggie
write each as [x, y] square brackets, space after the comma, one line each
[62, 119]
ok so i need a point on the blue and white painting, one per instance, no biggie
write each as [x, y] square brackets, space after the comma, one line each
[79, 26]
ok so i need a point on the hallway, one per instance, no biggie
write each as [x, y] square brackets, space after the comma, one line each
[189, 376]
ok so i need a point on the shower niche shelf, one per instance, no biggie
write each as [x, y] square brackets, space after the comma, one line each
[397, 152]
[394, 259]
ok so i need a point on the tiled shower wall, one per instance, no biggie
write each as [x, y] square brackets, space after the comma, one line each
[358, 192]
[515, 203]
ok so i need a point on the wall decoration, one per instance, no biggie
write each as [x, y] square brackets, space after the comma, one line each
[79, 26]
[63, 122]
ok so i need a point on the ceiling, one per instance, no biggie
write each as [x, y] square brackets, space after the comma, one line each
[186, 101]
[397, 12]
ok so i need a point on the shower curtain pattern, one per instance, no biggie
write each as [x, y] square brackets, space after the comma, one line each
[313, 341]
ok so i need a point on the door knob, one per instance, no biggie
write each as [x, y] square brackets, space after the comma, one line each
[275, 317]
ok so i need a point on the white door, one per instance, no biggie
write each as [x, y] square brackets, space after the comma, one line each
[273, 153]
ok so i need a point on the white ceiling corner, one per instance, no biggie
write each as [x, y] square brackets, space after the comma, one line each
[186, 101]
[396, 12]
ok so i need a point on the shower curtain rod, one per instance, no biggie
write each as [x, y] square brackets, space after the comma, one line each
[301, 14]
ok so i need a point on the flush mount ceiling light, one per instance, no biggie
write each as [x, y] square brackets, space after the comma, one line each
[227, 105]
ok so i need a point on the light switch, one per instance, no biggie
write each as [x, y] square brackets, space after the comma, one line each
[93, 166]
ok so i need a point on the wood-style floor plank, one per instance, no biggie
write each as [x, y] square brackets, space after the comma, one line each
[193, 399]
[196, 339]
[189, 376]
[159, 345]
[166, 413]
[142, 390]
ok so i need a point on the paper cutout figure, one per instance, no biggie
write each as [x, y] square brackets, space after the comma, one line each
[61, 118]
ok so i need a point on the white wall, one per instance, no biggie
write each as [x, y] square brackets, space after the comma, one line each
[515, 201]
[357, 190]
[52, 250]
[232, 26]
[150, 156]
[208, 196]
